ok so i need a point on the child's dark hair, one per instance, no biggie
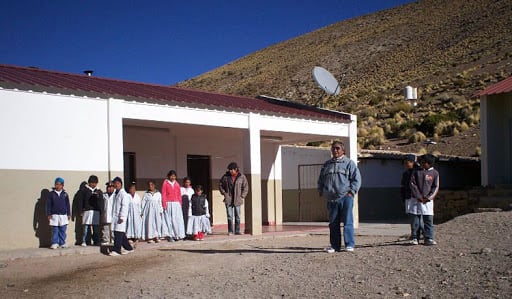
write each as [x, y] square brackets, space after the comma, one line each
[151, 182]
[186, 179]
[132, 184]
[198, 188]
[93, 179]
[171, 172]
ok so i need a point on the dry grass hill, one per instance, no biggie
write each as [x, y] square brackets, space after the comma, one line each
[449, 49]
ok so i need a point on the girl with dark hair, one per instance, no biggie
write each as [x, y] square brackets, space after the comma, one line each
[173, 227]
[152, 212]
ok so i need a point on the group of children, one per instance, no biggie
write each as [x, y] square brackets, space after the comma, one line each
[419, 187]
[171, 214]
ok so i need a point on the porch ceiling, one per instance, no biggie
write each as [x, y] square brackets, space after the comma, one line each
[183, 130]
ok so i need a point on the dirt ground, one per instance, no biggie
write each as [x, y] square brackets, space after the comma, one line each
[472, 260]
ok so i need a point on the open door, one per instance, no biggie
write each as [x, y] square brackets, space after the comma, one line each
[199, 171]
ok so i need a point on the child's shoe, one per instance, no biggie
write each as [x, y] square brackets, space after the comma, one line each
[113, 253]
[414, 242]
[54, 246]
[430, 242]
[329, 250]
[63, 246]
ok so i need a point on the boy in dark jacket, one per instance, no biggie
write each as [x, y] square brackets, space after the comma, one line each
[91, 206]
[406, 193]
[59, 213]
[424, 188]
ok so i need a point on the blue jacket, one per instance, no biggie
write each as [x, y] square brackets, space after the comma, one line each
[58, 205]
[338, 177]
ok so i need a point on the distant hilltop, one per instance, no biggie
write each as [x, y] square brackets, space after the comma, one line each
[448, 49]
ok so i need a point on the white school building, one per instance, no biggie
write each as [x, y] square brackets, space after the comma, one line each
[70, 125]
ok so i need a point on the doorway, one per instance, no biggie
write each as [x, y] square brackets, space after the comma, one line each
[130, 174]
[199, 171]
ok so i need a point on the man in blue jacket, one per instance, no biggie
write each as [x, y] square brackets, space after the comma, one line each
[339, 181]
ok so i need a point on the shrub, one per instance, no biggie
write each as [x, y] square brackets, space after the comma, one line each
[374, 138]
[478, 151]
[417, 137]
[429, 123]
[401, 106]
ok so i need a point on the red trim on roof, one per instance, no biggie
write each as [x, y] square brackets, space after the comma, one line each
[152, 93]
[503, 86]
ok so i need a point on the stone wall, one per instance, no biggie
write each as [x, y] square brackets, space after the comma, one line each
[450, 204]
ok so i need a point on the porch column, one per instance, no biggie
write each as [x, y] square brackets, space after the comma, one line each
[352, 153]
[271, 188]
[115, 138]
[252, 169]
[484, 138]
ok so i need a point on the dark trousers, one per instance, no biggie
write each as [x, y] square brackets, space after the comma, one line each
[79, 230]
[121, 240]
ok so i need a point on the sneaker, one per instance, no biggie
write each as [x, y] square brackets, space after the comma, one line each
[230, 233]
[349, 249]
[54, 246]
[329, 250]
[127, 251]
[414, 242]
[63, 246]
[430, 242]
[84, 245]
[151, 241]
[239, 233]
[157, 240]
[113, 253]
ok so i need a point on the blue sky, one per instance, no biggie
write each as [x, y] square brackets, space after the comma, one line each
[162, 42]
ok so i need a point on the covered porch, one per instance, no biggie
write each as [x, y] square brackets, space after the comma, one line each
[200, 143]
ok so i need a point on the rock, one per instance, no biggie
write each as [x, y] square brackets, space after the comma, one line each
[486, 250]
[11, 285]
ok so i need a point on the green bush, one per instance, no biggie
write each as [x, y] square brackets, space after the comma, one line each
[429, 123]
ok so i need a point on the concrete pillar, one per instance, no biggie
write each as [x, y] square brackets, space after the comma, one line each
[252, 169]
[278, 186]
[352, 154]
[484, 157]
[272, 190]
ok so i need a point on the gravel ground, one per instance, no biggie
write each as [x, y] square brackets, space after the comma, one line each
[472, 260]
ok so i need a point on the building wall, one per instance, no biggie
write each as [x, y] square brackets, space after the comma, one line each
[46, 136]
[305, 205]
[159, 150]
[379, 196]
[496, 137]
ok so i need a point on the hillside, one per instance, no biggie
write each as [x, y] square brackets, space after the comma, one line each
[449, 49]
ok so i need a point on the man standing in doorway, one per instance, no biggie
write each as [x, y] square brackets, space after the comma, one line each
[234, 187]
[339, 181]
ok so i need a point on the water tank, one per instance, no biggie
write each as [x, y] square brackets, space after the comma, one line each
[411, 93]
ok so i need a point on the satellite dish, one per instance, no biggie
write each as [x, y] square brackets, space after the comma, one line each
[326, 81]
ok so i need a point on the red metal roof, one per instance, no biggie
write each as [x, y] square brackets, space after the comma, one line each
[51, 81]
[503, 86]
